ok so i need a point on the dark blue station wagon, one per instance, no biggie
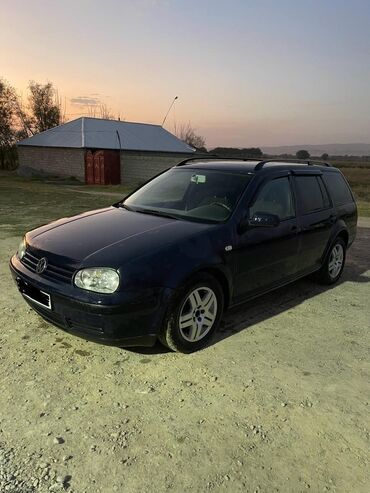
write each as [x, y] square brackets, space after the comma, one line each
[165, 262]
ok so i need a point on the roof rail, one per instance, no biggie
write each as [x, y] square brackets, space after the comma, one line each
[214, 157]
[260, 164]
[297, 161]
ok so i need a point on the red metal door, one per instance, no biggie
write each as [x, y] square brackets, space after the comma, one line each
[112, 167]
[107, 168]
[89, 168]
[98, 168]
[102, 168]
[115, 173]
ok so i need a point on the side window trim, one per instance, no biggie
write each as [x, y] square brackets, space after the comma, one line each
[292, 200]
[292, 194]
[325, 191]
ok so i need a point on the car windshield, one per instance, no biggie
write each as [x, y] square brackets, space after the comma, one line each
[194, 194]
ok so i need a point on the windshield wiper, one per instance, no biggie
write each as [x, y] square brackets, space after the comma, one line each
[155, 212]
[124, 206]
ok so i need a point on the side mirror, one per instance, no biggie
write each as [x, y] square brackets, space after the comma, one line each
[264, 219]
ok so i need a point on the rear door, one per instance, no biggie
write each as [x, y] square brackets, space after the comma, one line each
[316, 218]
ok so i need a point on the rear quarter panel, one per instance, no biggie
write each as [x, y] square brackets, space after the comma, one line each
[346, 213]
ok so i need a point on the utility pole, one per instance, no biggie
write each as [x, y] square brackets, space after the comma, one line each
[169, 109]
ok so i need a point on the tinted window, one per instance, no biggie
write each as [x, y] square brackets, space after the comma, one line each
[338, 188]
[325, 195]
[309, 192]
[275, 198]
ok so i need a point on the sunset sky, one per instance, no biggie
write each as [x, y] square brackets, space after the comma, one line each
[247, 73]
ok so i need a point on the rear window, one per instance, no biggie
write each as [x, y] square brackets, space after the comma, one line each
[310, 194]
[338, 188]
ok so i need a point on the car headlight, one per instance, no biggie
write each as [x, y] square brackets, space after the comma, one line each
[22, 248]
[98, 279]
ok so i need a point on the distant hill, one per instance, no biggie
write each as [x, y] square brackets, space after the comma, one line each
[317, 150]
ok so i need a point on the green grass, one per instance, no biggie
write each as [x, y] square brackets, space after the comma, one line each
[117, 189]
[363, 208]
[28, 203]
[359, 179]
[350, 162]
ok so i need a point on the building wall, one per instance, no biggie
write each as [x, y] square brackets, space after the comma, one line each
[138, 167]
[54, 160]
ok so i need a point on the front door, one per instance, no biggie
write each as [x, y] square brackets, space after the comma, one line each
[267, 256]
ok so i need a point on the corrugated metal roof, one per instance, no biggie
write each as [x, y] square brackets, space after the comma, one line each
[102, 134]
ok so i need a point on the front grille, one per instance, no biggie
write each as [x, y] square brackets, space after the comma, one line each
[53, 272]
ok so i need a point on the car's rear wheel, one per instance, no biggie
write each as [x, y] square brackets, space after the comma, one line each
[333, 267]
[193, 315]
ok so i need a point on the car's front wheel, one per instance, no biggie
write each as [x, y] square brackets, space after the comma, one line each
[193, 315]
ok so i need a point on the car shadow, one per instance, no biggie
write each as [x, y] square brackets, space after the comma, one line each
[158, 348]
[286, 298]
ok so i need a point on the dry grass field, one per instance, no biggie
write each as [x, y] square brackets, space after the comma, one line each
[359, 179]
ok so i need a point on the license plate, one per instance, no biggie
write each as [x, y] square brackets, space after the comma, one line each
[34, 294]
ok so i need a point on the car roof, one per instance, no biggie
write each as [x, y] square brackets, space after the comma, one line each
[248, 166]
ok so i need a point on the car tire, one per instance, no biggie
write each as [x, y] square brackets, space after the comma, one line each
[193, 315]
[333, 266]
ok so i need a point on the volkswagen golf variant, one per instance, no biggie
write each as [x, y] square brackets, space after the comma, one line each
[168, 260]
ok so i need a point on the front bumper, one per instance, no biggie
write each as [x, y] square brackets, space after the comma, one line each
[134, 319]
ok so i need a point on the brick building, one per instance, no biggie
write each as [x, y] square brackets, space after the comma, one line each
[101, 151]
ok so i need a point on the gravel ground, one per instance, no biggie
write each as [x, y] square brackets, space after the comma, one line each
[279, 401]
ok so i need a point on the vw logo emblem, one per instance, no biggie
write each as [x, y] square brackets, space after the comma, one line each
[41, 265]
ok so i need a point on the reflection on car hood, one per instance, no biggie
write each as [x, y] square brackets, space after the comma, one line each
[111, 233]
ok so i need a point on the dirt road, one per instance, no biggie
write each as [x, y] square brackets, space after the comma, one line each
[279, 402]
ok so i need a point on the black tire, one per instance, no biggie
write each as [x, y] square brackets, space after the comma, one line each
[171, 334]
[324, 276]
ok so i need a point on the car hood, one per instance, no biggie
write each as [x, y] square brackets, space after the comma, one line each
[108, 236]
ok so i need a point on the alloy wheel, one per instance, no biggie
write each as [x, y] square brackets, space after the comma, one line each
[336, 260]
[198, 314]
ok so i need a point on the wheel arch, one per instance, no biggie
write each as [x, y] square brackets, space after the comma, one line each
[339, 233]
[344, 235]
[223, 278]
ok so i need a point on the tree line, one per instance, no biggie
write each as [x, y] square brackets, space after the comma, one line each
[21, 118]
[304, 155]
